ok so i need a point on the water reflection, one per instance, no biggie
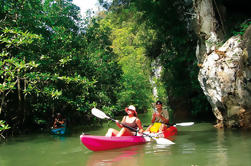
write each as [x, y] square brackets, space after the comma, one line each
[122, 157]
[152, 148]
[59, 137]
[188, 148]
[220, 155]
[200, 145]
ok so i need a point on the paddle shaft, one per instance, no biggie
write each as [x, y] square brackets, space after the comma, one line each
[172, 124]
[168, 124]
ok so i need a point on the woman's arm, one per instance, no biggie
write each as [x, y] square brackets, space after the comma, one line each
[118, 124]
[138, 122]
[55, 121]
[153, 117]
[61, 122]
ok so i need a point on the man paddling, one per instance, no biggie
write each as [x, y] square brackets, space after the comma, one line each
[59, 122]
[160, 117]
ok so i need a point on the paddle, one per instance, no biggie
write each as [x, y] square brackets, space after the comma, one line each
[184, 124]
[100, 114]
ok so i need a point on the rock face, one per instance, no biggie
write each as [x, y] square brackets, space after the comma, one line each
[225, 77]
[225, 71]
[156, 74]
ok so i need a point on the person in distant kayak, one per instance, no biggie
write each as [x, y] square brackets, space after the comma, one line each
[59, 122]
[130, 120]
[160, 118]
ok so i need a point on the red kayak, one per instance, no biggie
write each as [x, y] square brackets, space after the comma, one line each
[99, 143]
[169, 132]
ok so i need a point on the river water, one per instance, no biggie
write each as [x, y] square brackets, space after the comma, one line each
[197, 145]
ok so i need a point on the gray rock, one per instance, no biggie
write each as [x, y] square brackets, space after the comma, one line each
[225, 79]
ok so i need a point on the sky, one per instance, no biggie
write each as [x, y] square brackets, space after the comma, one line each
[86, 4]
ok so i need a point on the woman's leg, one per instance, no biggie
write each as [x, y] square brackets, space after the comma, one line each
[124, 132]
[162, 128]
[111, 132]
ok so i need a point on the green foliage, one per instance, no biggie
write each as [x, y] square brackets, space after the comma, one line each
[136, 86]
[54, 61]
[162, 94]
[174, 42]
[13, 67]
[3, 126]
[129, 43]
[242, 28]
[102, 65]
[51, 61]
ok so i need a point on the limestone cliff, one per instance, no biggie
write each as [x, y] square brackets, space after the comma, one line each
[225, 70]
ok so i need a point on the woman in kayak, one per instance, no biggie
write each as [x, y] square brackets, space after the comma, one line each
[130, 120]
[160, 117]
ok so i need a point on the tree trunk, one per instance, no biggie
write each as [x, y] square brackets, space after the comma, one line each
[2, 102]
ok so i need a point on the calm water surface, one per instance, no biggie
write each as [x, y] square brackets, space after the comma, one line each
[197, 145]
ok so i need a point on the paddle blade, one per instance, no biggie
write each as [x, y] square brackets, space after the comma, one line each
[185, 124]
[96, 112]
[163, 141]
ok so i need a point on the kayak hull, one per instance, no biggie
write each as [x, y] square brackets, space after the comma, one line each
[101, 143]
[171, 131]
[58, 131]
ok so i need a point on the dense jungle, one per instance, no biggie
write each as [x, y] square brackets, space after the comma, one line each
[54, 60]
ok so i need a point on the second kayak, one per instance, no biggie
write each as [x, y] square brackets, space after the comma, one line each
[99, 143]
[58, 131]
